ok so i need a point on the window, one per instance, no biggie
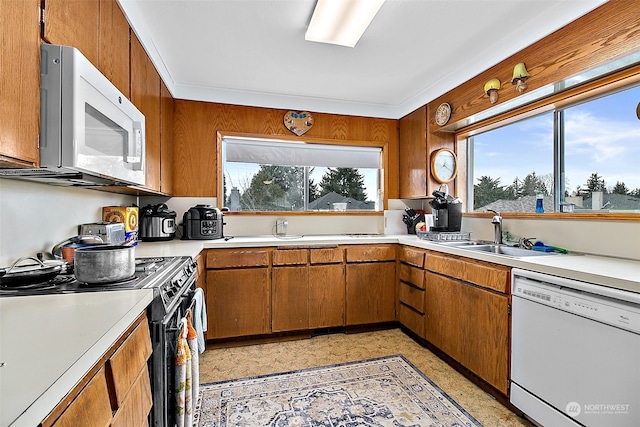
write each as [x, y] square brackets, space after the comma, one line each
[590, 164]
[271, 175]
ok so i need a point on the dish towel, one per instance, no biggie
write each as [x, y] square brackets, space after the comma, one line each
[183, 378]
[200, 318]
[192, 341]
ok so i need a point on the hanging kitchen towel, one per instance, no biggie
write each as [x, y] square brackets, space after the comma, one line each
[183, 378]
[192, 340]
[200, 318]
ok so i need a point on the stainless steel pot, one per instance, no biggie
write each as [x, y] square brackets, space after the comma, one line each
[104, 264]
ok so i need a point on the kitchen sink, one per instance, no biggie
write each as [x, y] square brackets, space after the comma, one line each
[506, 250]
[462, 243]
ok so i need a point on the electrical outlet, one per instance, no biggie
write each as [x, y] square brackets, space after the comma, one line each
[281, 227]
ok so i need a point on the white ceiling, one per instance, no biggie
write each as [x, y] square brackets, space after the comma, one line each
[253, 52]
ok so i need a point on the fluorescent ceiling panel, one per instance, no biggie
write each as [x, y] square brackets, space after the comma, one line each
[341, 22]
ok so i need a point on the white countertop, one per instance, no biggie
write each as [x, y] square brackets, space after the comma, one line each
[606, 271]
[48, 343]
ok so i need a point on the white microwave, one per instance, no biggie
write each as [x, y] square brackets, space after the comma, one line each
[90, 133]
[86, 124]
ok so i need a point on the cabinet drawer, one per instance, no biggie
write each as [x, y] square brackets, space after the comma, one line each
[412, 275]
[326, 255]
[219, 258]
[412, 297]
[412, 256]
[488, 275]
[91, 404]
[447, 265]
[136, 407]
[412, 319]
[127, 362]
[290, 256]
[368, 253]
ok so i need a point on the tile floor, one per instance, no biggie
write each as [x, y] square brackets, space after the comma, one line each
[239, 362]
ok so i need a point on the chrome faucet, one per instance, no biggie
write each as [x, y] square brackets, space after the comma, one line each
[497, 227]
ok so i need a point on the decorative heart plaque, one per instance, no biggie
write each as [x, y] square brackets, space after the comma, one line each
[298, 122]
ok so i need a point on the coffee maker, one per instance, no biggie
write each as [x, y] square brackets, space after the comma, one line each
[447, 212]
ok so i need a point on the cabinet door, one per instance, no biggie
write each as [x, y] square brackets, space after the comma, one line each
[238, 302]
[413, 154]
[471, 325]
[444, 314]
[326, 295]
[166, 140]
[19, 82]
[145, 94]
[91, 405]
[113, 54]
[195, 149]
[74, 23]
[370, 295]
[290, 298]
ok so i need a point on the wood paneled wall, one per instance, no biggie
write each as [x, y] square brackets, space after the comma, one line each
[197, 124]
[608, 32]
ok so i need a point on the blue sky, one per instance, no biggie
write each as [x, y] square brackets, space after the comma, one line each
[601, 136]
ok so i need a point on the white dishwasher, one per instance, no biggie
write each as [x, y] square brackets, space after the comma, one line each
[575, 352]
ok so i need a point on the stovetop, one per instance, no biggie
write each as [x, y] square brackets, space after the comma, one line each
[149, 273]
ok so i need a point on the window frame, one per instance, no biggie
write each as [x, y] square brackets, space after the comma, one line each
[557, 103]
[384, 176]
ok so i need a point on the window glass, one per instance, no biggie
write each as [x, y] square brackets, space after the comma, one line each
[602, 153]
[511, 165]
[596, 155]
[268, 175]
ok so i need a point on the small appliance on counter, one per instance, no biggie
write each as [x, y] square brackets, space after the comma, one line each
[157, 223]
[111, 233]
[202, 222]
[447, 212]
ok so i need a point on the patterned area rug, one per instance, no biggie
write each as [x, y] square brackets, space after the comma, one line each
[387, 391]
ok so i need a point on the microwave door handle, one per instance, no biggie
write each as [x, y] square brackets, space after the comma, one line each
[133, 151]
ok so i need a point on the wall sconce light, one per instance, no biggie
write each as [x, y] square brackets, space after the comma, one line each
[520, 76]
[491, 88]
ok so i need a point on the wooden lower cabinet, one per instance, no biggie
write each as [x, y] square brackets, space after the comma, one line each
[370, 295]
[116, 391]
[290, 298]
[471, 325]
[92, 405]
[326, 295]
[238, 302]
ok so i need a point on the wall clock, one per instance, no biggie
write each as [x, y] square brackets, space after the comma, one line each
[444, 165]
[443, 113]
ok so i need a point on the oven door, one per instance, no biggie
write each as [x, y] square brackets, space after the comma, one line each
[163, 360]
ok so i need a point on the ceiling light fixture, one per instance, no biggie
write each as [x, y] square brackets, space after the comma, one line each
[341, 22]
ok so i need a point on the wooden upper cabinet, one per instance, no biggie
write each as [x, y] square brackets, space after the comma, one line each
[145, 94]
[195, 151]
[413, 162]
[74, 23]
[113, 53]
[166, 140]
[19, 82]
